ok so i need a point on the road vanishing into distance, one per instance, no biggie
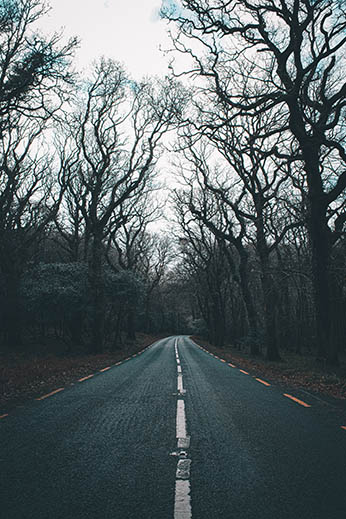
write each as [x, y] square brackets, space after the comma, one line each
[173, 433]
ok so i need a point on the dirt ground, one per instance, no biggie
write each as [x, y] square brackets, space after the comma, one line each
[26, 376]
[297, 371]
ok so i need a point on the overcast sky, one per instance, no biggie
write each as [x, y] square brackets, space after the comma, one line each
[127, 30]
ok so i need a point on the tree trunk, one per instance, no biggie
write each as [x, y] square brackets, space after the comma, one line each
[131, 333]
[97, 296]
[76, 328]
[117, 337]
[321, 246]
[12, 313]
[270, 303]
[248, 300]
[268, 285]
[218, 323]
[270, 314]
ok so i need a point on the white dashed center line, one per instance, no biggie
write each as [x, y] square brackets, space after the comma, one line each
[180, 384]
[182, 502]
[181, 420]
[182, 505]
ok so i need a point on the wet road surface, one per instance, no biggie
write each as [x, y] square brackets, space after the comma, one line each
[241, 449]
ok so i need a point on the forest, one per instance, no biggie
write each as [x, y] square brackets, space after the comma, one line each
[242, 243]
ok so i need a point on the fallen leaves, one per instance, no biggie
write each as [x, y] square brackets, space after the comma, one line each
[23, 378]
[298, 371]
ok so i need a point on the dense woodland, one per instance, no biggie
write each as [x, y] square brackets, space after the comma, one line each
[254, 253]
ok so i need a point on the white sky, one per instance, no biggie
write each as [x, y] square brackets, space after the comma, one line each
[129, 31]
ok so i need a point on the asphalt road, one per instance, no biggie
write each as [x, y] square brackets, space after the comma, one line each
[102, 448]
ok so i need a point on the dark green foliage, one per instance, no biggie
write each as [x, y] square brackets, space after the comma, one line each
[55, 292]
[124, 288]
[56, 299]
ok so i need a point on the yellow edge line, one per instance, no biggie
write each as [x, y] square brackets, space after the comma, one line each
[242, 371]
[232, 365]
[85, 378]
[297, 400]
[3, 415]
[262, 381]
[50, 394]
[342, 427]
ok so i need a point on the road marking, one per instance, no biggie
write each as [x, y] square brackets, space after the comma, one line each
[297, 400]
[222, 360]
[342, 427]
[180, 384]
[242, 371]
[232, 365]
[262, 382]
[181, 421]
[184, 443]
[118, 364]
[85, 378]
[105, 369]
[50, 394]
[182, 501]
[3, 415]
[182, 504]
[183, 469]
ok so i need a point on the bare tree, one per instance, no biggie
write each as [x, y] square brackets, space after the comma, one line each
[204, 260]
[253, 189]
[283, 56]
[116, 134]
[69, 223]
[34, 70]
[29, 200]
[34, 83]
[130, 246]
